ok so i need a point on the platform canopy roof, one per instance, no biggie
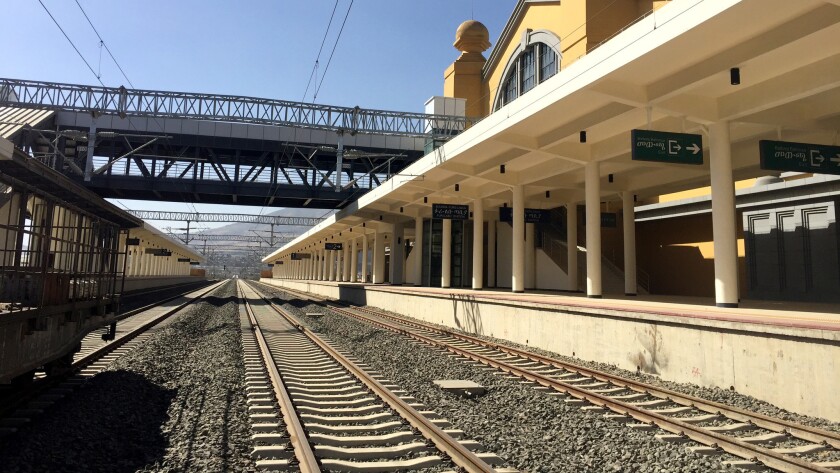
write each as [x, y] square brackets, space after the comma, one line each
[670, 72]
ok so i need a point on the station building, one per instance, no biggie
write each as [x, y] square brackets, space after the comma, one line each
[557, 191]
[581, 141]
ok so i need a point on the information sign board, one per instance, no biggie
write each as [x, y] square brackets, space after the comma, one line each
[332, 246]
[799, 157]
[450, 211]
[531, 215]
[666, 147]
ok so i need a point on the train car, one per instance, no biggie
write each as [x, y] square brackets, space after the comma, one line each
[62, 259]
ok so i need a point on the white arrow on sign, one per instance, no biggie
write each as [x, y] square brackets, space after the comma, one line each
[835, 160]
[694, 148]
[816, 157]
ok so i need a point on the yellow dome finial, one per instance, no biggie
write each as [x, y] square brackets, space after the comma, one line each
[472, 37]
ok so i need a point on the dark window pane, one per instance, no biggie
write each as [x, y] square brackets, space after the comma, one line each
[548, 62]
[528, 67]
[510, 91]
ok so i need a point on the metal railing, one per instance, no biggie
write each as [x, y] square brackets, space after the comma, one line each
[228, 108]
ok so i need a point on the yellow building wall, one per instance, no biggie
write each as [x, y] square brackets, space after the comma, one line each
[564, 20]
[700, 192]
[604, 18]
[678, 253]
[462, 79]
[580, 24]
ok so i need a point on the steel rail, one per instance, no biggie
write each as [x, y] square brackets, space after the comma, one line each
[9, 404]
[731, 445]
[308, 463]
[459, 454]
[127, 337]
[804, 432]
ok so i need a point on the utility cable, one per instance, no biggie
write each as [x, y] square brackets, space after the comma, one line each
[324, 74]
[102, 43]
[318, 57]
[71, 42]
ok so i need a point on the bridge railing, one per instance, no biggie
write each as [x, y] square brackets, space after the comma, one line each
[225, 218]
[229, 108]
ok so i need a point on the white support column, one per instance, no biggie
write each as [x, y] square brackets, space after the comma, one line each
[491, 250]
[630, 286]
[313, 257]
[346, 259]
[518, 240]
[331, 265]
[723, 216]
[446, 255]
[571, 246]
[323, 265]
[397, 254]
[478, 245]
[418, 248]
[530, 256]
[354, 260]
[149, 266]
[365, 245]
[593, 230]
[379, 257]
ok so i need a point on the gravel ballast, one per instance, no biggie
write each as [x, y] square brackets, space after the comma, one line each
[176, 403]
[533, 430]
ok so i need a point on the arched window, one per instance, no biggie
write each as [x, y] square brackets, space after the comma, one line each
[534, 61]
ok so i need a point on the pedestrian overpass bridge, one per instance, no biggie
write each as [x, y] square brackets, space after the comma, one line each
[221, 149]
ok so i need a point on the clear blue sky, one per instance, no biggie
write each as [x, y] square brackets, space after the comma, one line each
[391, 54]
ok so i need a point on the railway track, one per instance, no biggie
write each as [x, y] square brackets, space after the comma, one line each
[315, 408]
[760, 441]
[19, 406]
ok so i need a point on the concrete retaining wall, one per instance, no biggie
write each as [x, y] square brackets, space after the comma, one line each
[793, 368]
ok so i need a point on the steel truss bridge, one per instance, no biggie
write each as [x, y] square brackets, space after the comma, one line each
[191, 147]
[200, 217]
[278, 237]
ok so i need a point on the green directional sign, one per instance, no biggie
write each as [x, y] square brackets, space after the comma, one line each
[666, 147]
[800, 157]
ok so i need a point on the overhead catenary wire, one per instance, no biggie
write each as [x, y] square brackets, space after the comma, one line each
[321, 49]
[102, 43]
[71, 42]
[105, 45]
[312, 75]
[335, 45]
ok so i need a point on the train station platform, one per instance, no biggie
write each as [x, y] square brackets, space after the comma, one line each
[784, 353]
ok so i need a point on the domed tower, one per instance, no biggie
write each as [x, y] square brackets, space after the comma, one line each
[472, 39]
[463, 78]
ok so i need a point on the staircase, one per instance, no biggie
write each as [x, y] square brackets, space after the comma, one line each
[553, 242]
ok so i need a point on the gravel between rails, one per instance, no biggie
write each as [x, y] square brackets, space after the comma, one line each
[174, 404]
[724, 396]
[531, 429]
